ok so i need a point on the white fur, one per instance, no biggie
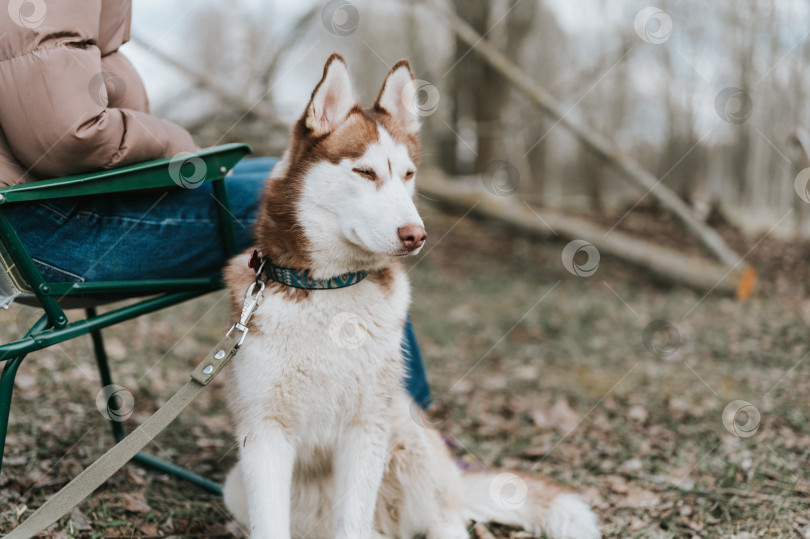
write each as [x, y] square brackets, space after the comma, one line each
[336, 394]
[530, 503]
[570, 516]
[345, 211]
[398, 98]
[332, 101]
[328, 443]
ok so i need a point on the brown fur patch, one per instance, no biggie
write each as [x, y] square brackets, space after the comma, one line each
[384, 277]
[317, 467]
[400, 135]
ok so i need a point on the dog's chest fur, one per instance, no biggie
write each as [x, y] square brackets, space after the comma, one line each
[298, 366]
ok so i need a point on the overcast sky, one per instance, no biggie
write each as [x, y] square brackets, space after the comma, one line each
[167, 25]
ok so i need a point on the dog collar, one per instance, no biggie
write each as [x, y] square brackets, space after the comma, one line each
[301, 278]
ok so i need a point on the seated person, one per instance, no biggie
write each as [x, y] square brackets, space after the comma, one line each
[70, 103]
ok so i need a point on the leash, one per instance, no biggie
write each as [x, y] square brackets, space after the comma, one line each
[105, 466]
[113, 460]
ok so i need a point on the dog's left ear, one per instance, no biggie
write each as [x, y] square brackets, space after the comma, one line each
[397, 97]
[332, 99]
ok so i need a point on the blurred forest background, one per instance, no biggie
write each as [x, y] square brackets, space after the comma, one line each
[671, 138]
[709, 97]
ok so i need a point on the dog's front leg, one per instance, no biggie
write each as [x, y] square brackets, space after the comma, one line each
[359, 466]
[267, 459]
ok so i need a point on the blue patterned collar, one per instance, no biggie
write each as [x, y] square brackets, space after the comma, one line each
[302, 278]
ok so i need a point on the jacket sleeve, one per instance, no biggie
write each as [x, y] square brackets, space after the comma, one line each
[57, 111]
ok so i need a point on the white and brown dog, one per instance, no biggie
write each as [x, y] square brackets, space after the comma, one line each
[327, 441]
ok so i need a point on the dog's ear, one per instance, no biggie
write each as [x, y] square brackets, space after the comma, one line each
[332, 98]
[398, 97]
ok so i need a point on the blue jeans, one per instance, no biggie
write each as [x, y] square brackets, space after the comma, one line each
[155, 235]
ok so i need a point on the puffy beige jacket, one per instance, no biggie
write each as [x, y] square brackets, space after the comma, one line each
[69, 101]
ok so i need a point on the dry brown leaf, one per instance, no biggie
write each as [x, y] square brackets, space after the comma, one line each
[136, 475]
[79, 521]
[135, 503]
[639, 497]
[25, 381]
[593, 496]
[462, 387]
[618, 484]
[534, 452]
[115, 348]
[632, 466]
[481, 531]
[681, 478]
[638, 413]
[216, 423]
[149, 528]
[207, 443]
[563, 417]
[540, 419]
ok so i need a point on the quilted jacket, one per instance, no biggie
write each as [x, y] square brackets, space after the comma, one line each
[69, 101]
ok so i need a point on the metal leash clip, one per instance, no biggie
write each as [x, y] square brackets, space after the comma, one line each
[248, 308]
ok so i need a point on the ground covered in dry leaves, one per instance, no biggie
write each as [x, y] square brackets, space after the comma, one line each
[532, 369]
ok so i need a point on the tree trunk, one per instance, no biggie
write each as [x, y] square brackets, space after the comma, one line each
[696, 272]
[596, 143]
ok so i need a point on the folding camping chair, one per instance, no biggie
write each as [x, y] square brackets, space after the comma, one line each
[21, 281]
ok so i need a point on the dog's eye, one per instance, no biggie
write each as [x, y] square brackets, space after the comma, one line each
[409, 174]
[366, 173]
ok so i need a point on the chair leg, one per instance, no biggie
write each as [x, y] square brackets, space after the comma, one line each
[7, 384]
[6, 389]
[104, 371]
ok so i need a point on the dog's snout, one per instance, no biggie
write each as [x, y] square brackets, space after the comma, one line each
[412, 236]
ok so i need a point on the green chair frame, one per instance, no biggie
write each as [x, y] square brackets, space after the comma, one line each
[154, 294]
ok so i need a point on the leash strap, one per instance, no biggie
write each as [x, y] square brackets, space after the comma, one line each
[105, 466]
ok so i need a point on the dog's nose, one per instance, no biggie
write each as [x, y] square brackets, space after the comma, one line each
[412, 236]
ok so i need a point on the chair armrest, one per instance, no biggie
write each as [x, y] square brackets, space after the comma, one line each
[205, 165]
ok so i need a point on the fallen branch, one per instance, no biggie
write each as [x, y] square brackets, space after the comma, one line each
[694, 271]
[595, 142]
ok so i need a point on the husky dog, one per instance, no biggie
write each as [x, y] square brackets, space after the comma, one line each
[327, 440]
